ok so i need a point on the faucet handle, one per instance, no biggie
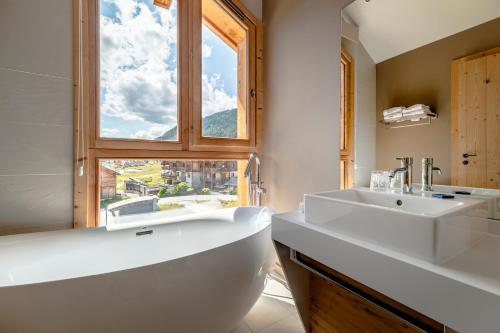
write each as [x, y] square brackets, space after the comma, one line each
[438, 170]
[427, 161]
[405, 160]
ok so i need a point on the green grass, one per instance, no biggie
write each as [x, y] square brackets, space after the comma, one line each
[228, 203]
[170, 206]
[149, 173]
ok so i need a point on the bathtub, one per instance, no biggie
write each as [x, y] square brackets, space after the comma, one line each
[200, 275]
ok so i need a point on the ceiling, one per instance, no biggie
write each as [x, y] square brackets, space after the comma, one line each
[388, 28]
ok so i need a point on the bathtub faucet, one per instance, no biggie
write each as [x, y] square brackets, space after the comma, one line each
[255, 189]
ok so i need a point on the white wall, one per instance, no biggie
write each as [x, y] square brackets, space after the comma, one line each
[302, 96]
[365, 122]
[35, 115]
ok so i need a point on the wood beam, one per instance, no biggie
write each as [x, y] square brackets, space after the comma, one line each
[163, 3]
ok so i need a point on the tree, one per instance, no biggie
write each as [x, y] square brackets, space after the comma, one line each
[162, 192]
[205, 190]
[181, 188]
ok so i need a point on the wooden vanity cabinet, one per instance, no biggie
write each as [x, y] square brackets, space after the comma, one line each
[330, 302]
[334, 308]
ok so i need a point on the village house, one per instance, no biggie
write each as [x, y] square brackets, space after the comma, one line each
[201, 174]
[108, 182]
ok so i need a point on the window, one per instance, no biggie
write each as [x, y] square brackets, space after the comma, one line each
[227, 85]
[164, 83]
[132, 190]
[224, 72]
[138, 71]
[346, 120]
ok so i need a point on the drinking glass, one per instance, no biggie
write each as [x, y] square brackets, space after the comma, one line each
[379, 180]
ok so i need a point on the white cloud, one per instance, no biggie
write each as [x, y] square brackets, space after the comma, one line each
[138, 71]
[206, 50]
[214, 99]
[109, 132]
[138, 81]
[152, 133]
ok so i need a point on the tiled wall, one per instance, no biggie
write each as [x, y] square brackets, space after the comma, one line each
[35, 115]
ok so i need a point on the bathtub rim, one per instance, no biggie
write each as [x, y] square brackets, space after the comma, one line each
[261, 225]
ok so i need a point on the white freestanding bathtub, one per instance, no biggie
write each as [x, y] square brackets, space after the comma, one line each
[200, 275]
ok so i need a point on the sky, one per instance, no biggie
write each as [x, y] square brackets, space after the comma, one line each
[138, 70]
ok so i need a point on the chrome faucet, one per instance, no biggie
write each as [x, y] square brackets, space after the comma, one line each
[255, 189]
[428, 169]
[406, 170]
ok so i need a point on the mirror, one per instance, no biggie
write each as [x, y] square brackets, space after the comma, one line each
[439, 63]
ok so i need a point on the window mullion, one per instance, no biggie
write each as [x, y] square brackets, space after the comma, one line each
[195, 73]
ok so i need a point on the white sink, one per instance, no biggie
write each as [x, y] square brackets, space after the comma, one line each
[491, 196]
[431, 229]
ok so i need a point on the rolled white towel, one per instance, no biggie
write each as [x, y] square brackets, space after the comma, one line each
[415, 113]
[417, 106]
[393, 111]
[416, 109]
[393, 117]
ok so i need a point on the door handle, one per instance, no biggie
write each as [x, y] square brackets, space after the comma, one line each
[468, 155]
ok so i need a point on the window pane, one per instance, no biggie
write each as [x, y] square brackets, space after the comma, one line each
[138, 70]
[224, 73]
[145, 190]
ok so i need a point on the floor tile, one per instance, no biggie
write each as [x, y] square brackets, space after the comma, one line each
[267, 311]
[241, 328]
[290, 324]
[274, 312]
[280, 292]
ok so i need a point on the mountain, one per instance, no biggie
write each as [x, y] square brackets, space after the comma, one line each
[171, 134]
[220, 125]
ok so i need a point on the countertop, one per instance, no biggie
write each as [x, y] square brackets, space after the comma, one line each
[462, 293]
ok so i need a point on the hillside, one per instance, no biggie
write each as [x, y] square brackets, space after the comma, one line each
[220, 124]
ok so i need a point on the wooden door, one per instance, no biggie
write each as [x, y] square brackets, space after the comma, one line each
[493, 120]
[475, 120]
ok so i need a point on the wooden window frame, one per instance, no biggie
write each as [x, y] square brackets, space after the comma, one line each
[90, 148]
[346, 143]
[248, 113]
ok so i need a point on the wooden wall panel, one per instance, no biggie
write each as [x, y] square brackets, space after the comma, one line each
[475, 120]
[493, 120]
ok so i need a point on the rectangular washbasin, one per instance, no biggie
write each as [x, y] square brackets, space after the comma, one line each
[431, 229]
[491, 196]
